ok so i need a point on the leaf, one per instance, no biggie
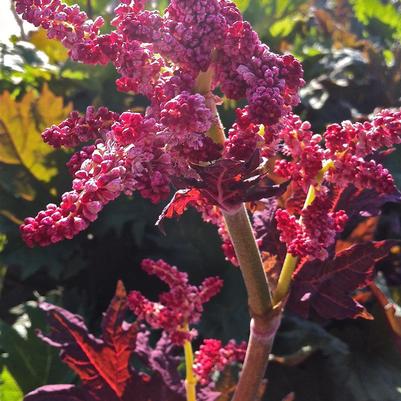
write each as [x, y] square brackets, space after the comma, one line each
[363, 232]
[16, 182]
[9, 390]
[30, 362]
[340, 36]
[266, 232]
[59, 392]
[326, 287]
[103, 364]
[227, 183]
[179, 203]
[242, 4]
[53, 48]
[363, 202]
[283, 27]
[21, 123]
[354, 361]
[387, 14]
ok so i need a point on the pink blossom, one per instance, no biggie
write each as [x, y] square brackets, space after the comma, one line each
[180, 306]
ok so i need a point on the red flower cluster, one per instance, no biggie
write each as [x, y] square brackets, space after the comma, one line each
[349, 154]
[213, 357]
[317, 230]
[77, 129]
[180, 306]
[163, 58]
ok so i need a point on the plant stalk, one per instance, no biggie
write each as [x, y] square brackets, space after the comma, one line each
[190, 379]
[265, 319]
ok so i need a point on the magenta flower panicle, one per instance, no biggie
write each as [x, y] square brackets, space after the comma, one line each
[214, 357]
[182, 305]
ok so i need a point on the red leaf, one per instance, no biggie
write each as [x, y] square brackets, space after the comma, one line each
[181, 200]
[100, 363]
[103, 364]
[326, 287]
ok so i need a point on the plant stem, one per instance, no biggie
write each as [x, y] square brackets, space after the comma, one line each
[190, 380]
[265, 319]
[248, 255]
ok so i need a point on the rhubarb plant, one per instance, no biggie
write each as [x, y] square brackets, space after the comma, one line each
[279, 194]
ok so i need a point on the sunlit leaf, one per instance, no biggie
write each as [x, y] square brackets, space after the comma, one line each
[9, 390]
[384, 12]
[53, 49]
[242, 4]
[21, 123]
[103, 364]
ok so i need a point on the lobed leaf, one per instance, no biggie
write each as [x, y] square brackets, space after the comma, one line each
[103, 364]
[326, 287]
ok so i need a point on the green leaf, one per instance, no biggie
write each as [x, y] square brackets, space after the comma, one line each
[283, 27]
[31, 362]
[368, 10]
[242, 4]
[9, 389]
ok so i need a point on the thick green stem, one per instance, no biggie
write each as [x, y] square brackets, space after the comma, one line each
[248, 255]
[265, 319]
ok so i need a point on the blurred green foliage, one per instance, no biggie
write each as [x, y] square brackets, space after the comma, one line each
[352, 60]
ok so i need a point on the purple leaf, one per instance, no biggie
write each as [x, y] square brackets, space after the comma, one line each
[59, 392]
[265, 227]
[326, 287]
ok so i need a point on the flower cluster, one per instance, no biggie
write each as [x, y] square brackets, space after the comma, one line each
[349, 156]
[246, 67]
[350, 146]
[161, 57]
[77, 129]
[213, 357]
[317, 230]
[99, 180]
[177, 59]
[70, 25]
[303, 148]
[180, 306]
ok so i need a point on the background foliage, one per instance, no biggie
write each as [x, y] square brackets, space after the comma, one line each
[351, 53]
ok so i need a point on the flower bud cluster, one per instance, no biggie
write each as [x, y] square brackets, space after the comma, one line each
[77, 128]
[350, 145]
[165, 57]
[99, 180]
[303, 148]
[246, 67]
[243, 137]
[213, 357]
[315, 232]
[68, 24]
[181, 306]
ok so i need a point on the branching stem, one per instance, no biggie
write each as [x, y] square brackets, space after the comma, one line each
[265, 319]
[291, 261]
